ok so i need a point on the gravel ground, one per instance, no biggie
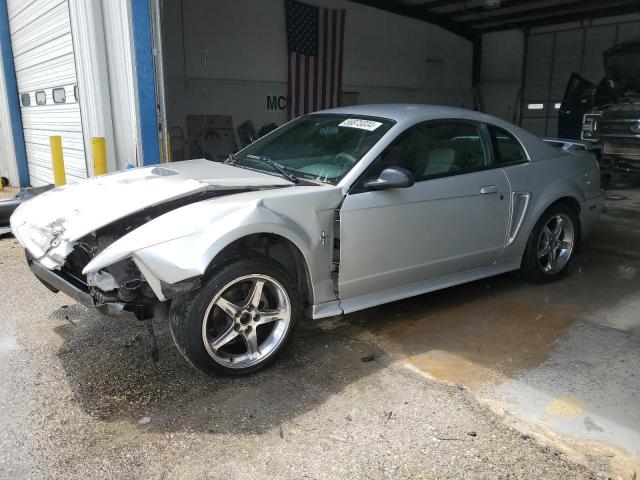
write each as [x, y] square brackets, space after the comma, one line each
[8, 192]
[80, 398]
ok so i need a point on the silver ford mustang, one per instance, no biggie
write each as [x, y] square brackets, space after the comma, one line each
[333, 212]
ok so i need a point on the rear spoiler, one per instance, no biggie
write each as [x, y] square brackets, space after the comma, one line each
[566, 144]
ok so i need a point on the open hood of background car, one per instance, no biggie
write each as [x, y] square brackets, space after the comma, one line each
[49, 224]
[622, 66]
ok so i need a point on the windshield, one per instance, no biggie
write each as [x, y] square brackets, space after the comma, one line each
[317, 147]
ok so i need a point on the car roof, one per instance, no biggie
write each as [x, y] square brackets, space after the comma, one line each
[407, 114]
[402, 112]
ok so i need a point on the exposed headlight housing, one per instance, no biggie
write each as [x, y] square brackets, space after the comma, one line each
[589, 131]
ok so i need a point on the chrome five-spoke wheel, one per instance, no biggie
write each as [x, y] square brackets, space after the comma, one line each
[240, 320]
[246, 321]
[551, 244]
[556, 243]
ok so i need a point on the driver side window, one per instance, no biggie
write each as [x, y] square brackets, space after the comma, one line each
[435, 149]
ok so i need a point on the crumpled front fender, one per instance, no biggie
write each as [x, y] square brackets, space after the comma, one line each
[181, 244]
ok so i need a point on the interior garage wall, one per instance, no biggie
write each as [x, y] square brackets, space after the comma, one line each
[387, 58]
[501, 72]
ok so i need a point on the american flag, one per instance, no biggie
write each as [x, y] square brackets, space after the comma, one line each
[315, 38]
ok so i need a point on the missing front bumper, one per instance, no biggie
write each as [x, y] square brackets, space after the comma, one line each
[57, 282]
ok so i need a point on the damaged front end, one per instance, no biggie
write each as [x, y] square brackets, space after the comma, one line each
[65, 229]
[121, 286]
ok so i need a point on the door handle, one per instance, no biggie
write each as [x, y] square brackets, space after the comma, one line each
[488, 189]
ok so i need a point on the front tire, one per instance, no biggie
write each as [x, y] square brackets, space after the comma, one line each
[551, 245]
[241, 319]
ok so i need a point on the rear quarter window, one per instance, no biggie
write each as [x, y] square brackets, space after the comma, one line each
[506, 148]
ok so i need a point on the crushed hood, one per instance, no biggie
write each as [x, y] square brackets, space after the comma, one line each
[51, 223]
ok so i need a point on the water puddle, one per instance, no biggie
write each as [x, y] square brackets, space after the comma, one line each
[477, 342]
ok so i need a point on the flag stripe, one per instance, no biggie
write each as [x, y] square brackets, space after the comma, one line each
[306, 84]
[334, 16]
[340, 54]
[325, 22]
[297, 85]
[315, 83]
[320, 57]
[289, 97]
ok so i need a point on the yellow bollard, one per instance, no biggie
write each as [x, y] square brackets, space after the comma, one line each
[99, 154]
[59, 177]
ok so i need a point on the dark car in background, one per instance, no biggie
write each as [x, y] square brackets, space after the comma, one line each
[607, 115]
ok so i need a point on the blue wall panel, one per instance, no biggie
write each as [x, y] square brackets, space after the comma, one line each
[6, 53]
[147, 101]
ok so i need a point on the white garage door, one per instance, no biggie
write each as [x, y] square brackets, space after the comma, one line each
[46, 76]
[552, 57]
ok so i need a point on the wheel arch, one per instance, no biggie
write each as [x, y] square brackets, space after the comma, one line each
[571, 202]
[275, 246]
[565, 194]
[530, 261]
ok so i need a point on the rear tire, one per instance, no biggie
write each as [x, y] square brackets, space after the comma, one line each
[241, 319]
[551, 245]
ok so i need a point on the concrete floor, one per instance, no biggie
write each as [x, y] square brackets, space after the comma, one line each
[8, 192]
[494, 379]
[5, 194]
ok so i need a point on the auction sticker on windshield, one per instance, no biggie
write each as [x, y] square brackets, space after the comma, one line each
[361, 124]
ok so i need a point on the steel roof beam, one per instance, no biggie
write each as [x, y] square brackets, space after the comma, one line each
[420, 13]
[577, 7]
[504, 5]
[557, 19]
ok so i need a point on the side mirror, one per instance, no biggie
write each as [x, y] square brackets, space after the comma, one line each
[392, 177]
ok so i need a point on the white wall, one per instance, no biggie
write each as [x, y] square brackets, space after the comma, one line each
[501, 72]
[87, 29]
[387, 58]
[103, 46]
[122, 81]
[8, 167]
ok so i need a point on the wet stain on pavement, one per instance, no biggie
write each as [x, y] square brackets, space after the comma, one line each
[565, 407]
[483, 333]
[471, 335]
